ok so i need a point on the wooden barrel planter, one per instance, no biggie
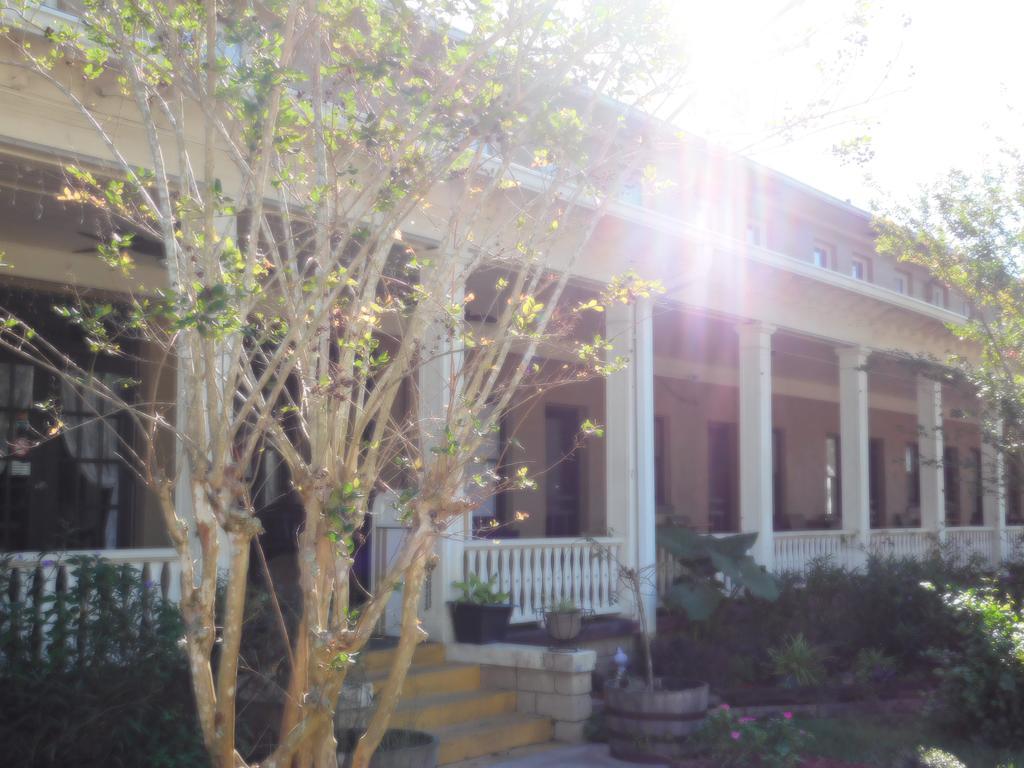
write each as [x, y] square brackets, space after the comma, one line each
[653, 726]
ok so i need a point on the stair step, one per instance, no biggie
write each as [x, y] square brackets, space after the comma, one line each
[429, 713]
[434, 680]
[491, 735]
[425, 655]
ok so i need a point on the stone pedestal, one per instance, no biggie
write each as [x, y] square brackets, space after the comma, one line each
[555, 684]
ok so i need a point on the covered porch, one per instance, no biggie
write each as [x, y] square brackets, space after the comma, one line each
[823, 448]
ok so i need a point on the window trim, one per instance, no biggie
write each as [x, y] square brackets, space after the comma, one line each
[829, 252]
[868, 270]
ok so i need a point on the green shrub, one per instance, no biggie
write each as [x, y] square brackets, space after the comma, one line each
[982, 674]
[930, 757]
[770, 742]
[797, 663]
[872, 665]
[96, 677]
[839, 610]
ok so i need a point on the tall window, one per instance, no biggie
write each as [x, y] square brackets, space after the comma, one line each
[778, 485]
[937, 294]
[902, 283]
[860, 268]
[1014, 488]
[723, 460]
[876, 481]
[72, 490]
[833, 479]
[951, 473]
[978, 483]
[823, 255]
[661, 494]
[912, 470]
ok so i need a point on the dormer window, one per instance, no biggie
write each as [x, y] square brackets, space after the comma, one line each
[823, 255]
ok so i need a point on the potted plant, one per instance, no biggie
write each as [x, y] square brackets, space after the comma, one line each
[399, 747]
[482, 614]
[563, 621]
[651, 719]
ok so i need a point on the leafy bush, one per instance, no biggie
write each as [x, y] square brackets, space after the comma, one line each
[798, 663]
[982, 675]
[872, 665]
[839, 610]
[935, 758]
[95, 676]
[770, 742]
[479, 592]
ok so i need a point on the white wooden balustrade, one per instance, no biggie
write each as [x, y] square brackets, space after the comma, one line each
[1013, 543]
[39, 574]
[973, 543]
[903, 542]
[796, 550]
[538, 573]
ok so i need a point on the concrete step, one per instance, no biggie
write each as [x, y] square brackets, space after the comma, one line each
[425, 655]
[491, 735]
[430, 713]
[433, 680]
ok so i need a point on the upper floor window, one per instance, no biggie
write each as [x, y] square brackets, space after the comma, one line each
[860, 268]
[937, 294]
[754, 235]
[823, 255]
[902, 283]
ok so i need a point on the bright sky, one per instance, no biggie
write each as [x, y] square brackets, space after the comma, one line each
[934, 85]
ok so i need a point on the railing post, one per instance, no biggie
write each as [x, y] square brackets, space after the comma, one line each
[930, 454]
[993, 479]
[854, 437]
[756, 497]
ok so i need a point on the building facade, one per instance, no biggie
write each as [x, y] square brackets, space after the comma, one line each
[770, 390]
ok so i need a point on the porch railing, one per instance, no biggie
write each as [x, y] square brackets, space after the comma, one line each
[36, 579]
[903, 542]
[541, 572]
[796, 550]
[37, 575]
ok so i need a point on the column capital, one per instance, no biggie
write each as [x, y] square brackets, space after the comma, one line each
[853, 357]
[754, 332]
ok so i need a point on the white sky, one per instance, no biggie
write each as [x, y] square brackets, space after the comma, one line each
[934, 86]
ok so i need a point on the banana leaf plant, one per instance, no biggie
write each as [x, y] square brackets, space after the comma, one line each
[707, 568]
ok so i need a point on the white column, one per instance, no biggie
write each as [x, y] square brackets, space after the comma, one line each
[853, 443]
[929, 448]
[993, 479]
[755, 428]
[629, 444]
[438, 383]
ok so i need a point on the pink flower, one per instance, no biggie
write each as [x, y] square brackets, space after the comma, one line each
[748, 719]
[788, 715]
[735, 735]
[724, 707]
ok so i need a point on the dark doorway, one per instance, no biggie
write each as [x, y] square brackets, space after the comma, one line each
[723, 461]
[564, 481]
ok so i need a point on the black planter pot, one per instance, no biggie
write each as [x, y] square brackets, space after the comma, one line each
[479, 624]
[398, 749]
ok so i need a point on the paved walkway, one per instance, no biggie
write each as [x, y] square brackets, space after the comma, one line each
[548, 756]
